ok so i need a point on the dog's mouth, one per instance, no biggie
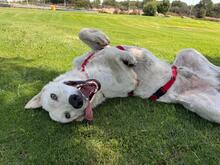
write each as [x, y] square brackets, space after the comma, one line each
[88, 88]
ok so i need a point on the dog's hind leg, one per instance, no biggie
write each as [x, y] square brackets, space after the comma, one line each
[204, 102]
[196, 62]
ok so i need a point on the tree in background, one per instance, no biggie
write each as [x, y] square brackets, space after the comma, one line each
[216, 10]
[199, 11]
[54, 1]
[163, 6]
[139, 4]
[109, 3]
[126, 5]
[123, 5]
[132, 5]
[150, 8]
[180, 8]
[207, 5]
[145, 2]
[203, 8]
[80, 3]
[75, 3]
[96, 3]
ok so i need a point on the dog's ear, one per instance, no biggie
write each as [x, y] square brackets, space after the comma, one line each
[34, 102]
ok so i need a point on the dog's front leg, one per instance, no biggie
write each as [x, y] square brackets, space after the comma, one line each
[128, 59]
[123, 55]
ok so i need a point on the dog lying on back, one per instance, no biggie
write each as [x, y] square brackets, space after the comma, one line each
[102, 74]
[191, 80]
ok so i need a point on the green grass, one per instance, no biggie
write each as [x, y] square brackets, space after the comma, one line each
[36, 46]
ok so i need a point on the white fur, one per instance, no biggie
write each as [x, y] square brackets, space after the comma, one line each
[197, 86]
[106, 66]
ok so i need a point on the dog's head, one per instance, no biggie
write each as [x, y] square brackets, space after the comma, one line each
[66, 101]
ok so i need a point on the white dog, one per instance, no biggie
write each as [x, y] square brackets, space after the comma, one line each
[102, 74]
[191, 80]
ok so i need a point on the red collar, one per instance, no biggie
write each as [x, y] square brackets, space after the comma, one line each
[160, 92]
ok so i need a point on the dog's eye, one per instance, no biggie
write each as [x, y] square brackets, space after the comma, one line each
[53, 96]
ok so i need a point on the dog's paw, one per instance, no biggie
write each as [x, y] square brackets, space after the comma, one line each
[128, 60]
[94, 38]
[128, 64]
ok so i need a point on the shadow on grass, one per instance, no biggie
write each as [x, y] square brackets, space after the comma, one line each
[30, 130]
[12, 69]
[17, 76]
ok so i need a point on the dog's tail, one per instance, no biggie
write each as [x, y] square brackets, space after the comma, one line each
[94, 38]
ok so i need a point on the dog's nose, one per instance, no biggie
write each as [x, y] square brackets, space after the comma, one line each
[76, 100]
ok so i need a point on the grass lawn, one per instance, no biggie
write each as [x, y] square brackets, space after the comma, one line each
[36, 46]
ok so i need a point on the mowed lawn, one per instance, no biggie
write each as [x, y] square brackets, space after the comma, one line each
[36, 46]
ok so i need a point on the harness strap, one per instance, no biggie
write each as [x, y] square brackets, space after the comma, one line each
[163, 90]
[86, 61]
[120, 47]
[91, 54]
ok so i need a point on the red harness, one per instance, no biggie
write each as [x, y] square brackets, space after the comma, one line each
[86, 61]
[91, 54]
[160, 92]
[163, 90]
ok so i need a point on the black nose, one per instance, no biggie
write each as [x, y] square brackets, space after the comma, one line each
[76, 100]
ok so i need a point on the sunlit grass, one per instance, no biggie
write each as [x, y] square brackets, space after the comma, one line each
[36, 46]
